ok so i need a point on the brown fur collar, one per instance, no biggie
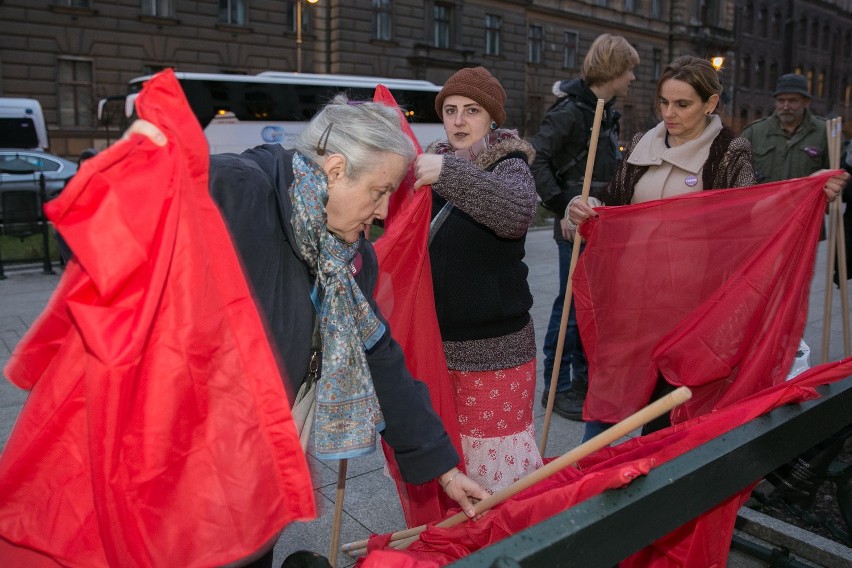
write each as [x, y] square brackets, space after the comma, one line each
[502, 143]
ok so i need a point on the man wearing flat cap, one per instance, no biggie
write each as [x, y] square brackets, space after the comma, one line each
[791, 142]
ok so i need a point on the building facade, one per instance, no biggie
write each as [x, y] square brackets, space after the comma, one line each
[813, 39]
[70, 53]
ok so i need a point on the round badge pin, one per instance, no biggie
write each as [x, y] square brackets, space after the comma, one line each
[691, 181]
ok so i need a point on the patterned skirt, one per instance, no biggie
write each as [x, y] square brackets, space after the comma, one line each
[495, 410]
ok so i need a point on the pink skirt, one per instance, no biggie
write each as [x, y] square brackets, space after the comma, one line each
[495, 410]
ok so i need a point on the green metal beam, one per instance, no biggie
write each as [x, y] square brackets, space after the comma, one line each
[600, 532]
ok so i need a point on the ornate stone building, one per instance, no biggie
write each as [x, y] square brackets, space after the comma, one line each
[792, 36]
[71, 53]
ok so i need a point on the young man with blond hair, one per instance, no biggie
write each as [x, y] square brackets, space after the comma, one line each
[561, 145]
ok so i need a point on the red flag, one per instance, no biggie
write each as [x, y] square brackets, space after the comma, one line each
[702, 542]
[157, 432]
[710, 289]
[405, 297]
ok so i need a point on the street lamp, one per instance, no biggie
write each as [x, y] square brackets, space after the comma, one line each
[717, 62]
[299, 33]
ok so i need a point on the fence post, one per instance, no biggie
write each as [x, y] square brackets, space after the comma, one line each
[2, 273]
[45, 238]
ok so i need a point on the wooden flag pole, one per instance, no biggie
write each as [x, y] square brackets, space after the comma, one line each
[338, 512]
[836, 244]
[835, 136]
[657, 408]
[829, 284]
[575, 254]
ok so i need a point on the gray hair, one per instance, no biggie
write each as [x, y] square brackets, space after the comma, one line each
[358, 130]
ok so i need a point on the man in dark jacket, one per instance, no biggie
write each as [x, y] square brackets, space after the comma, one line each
[561, 145]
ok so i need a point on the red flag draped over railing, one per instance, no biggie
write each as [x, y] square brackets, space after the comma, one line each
[405, 297]
[702, 542]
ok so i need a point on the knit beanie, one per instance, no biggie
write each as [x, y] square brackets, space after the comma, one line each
[478, 84]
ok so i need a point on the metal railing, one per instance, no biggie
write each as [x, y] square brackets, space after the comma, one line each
[603, 530]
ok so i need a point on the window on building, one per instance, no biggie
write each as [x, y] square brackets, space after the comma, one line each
[75, 3]
[76, 92]
[810, 77]
[760, 73]
[826, 37]
[656, 63]
[820, 88]
[775, 25]
[773, 73]
[629, 6]
[157, 8]
[814, 34]
[603, 3]
[153, 68]
[803, 31]
[715, 11]
[492, 34]
[535, 44]
[293, 16]
[232, 12]
[748, 18]
[762, 22]
[382, 20]
[441, 24]
[656, 8]
[745, 75]
[570, 47]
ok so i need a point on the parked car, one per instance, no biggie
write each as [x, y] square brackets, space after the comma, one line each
[21, 170]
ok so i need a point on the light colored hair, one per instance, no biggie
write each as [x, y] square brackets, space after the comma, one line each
[608, 58]
[358, 130]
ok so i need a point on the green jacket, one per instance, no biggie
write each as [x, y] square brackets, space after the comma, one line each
[777, 156]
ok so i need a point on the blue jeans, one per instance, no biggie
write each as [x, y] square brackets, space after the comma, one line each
[572, 352]
[593, 428]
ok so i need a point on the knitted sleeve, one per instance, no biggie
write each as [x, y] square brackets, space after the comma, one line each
[729, 162]
[503, 199]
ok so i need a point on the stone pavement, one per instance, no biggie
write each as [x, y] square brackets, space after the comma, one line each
[370, 503]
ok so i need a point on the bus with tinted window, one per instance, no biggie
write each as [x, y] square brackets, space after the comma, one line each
[242, 111]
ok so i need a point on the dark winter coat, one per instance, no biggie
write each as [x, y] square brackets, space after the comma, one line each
[562, 143]
[251, 191]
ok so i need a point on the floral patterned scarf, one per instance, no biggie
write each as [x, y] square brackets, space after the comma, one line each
[348, 413]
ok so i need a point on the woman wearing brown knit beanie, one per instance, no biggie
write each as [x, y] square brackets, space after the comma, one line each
[484, 200]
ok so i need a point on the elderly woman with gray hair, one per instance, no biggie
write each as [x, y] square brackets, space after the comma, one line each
[297, 219]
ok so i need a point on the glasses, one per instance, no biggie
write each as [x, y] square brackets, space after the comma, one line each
[322, 143]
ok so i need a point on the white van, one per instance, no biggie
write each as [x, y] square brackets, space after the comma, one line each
[22, 124]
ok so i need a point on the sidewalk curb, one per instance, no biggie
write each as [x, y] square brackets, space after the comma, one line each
[810, 546]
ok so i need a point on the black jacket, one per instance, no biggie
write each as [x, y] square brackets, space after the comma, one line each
[251, 191]
[561, 145]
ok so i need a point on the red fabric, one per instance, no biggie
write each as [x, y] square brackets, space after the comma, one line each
[157, 432]
[701, 543]
[404, 295]
[710, 289]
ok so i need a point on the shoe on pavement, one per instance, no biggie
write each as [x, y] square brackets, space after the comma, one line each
[567, 404]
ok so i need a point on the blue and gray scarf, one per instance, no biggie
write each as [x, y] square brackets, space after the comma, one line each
[348, 413]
